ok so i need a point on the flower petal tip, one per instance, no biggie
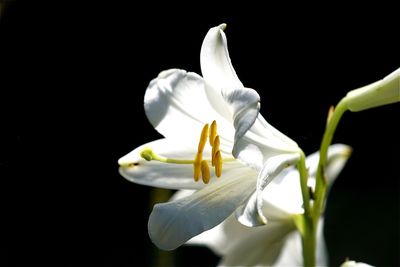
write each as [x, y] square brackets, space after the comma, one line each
[348, 151]
[155, 230]
[261, 220]
[127, 162]
[340, 150]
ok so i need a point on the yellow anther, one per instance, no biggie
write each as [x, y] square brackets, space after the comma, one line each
[214, 150]
[203, 138]
[197, 166]
[213, 132]
[205, 172]
[218, 164]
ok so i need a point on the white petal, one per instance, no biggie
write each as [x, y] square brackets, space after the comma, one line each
[285, 191]
[172, 224]
[243, 104]
[217, 70]
[216, 65]
[166, 175]
[261, 142]
[219, 238]
[265, 130]
[177, 106]
[338, 154]
[223, 237]
[259, 246]
[322, 251]
[274, 244]
[252, 214]
[227, 235]
[291, 254]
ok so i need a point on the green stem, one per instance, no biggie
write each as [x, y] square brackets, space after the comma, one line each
[320, 187]
[309, 223]
[301, 166]
[309, 241]
[306, 226]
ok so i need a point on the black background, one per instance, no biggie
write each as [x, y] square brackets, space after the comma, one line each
[72, 84]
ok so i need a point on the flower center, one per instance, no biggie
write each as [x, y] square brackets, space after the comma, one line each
[200, 165]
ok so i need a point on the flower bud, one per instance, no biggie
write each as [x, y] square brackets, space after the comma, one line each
[383, 92]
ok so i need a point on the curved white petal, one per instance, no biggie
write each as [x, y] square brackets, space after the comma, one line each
[172, 224]
[177, 106]
[216, 65]
[252, 214]
[262, 141]
[285, 190]
[223, 85]
[167, 175]
[244, 105]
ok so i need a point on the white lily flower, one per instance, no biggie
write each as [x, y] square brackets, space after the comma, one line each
[354, 264]
[383, 92]
[180, 105]
[276, 243]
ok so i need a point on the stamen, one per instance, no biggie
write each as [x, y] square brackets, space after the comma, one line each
[200, 166]
[197, 166]
[213, 132]
[203, 139]
[205, 172]
[214, 150]
[218, 164]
